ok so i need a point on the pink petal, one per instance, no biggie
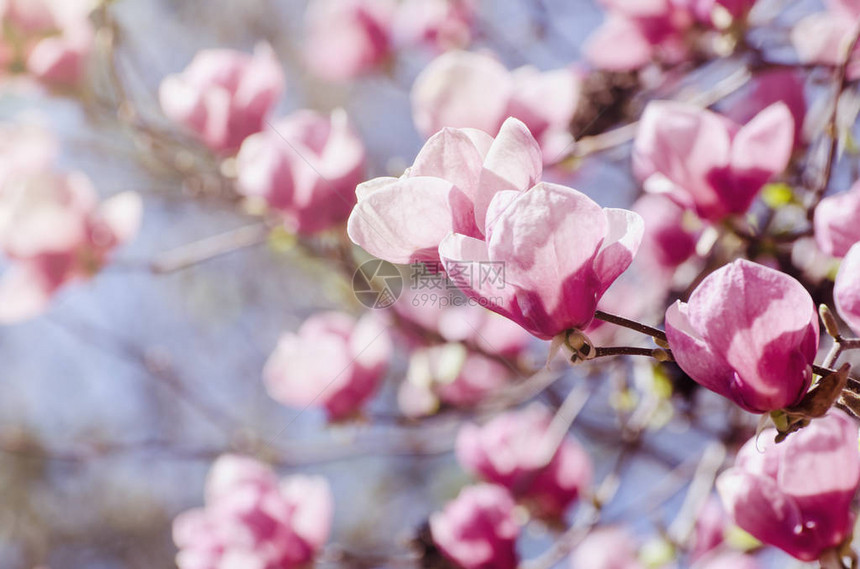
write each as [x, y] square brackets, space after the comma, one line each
[626, 229]
[847, 289]
[24, 294]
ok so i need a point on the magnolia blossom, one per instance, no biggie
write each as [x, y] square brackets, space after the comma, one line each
[706, 162]
[607, 548]
[797, 495]
[769, 87]
[440, 24]
[709, 533]
[306, 167]
[824, 37]
[448, 189]
[637, 33]
[846, 292]
[836, 227]
[347, 38]
[333, 361]
[670, 236]
[54, 231]
[473, 90]
[449, 374]
[223, 95]
[517, 450]
[253, 520]
[749, 333]
[478, 530]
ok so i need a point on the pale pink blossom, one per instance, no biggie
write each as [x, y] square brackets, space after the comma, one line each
[846, 292]
[824, 37]
[334, 361]
[606, 548]
[448, 189]
[348, 38]
[438, 24]
[54, 231]
[835, 223]
[517, 450]
[223, 96]
[706, 162]
[797, 495]
[670, 237]
[305, 167]
[473, 90]
[560, 251]
[251, 519]
[749, 333]
[478, 530]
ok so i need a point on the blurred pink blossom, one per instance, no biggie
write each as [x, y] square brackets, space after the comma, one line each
[769, 87]
[306, 167]
[706, 162]
[439, 24]
[797, 495]
[473, 90]
[477, 530]
[749, 333]
[846, 292]
[334, 361]
[709, 532]
[606, 548]
[824, 37]
[835, 223]
[669, 238]
[223, 96]
[517, 450]
[721, 13]
[252, 520]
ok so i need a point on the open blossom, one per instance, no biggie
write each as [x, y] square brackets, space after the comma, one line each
[670, 237]
[836, 227]
[333, 361]
[251, 519]
[448, 189]
[606, 548]
[846, 292]
[348, 38]
[749, 333]
[765, 89]
[477, 530]
[797, 495]
[306, 167]
[54, 231]
[707, 163]
[515, 450]
[473, 90]
[560, 250]
[824, 37]
[223, 95]
[439, 24]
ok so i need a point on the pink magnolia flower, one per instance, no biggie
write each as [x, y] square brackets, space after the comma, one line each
[478, 530]
[710, 528]
[306, 167]
[769, 87]
[637, 33]
[516, 450]
[669, 238]
[560, 252]
[347, 38]
[824, 37]
[749, 333]
[797, 495]
[448, 188]
[439, 24]
[223, 96]
[835, 223]
[54, 232]
[606, 548]
[253, 520]
[846, 292]
[706, 162]
[473, 90]
[333, 361]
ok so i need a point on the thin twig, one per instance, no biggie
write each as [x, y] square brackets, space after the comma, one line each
[210, 248]
[631, 324]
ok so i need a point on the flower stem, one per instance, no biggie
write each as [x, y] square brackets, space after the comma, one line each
[631, 324]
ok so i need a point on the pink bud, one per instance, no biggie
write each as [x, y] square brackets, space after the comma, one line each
[707, 163]
[606, 548]
[560, 252]
[252, 520]
[333, 361]
[223, 96]
[305, 166]
[796, 495]
[61, 60]
[347, 38]
[518, 451]
[846, 292]
[478, 530]
[749, 333]
[836, 227]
